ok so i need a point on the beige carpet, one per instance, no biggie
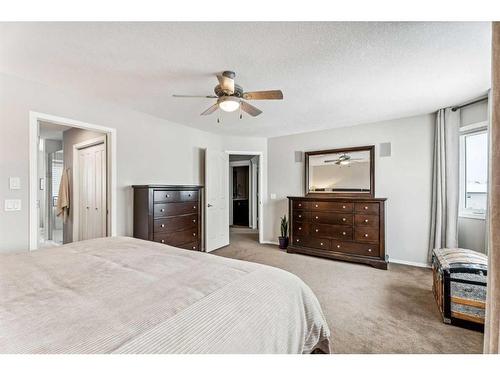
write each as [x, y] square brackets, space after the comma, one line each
[368, 310]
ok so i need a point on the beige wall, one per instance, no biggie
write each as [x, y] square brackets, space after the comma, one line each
[403, 178]
[149, 149]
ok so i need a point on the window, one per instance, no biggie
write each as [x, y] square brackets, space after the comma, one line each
[473, 171]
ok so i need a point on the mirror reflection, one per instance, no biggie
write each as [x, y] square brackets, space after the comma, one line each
[342, 172]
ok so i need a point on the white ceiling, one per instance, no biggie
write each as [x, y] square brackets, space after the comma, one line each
[332, 74]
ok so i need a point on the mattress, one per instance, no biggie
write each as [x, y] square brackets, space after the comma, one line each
[124, 295]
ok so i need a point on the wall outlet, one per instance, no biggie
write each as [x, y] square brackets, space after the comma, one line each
[12, 205]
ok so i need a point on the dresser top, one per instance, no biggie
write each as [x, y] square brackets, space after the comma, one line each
[336, 199]
[168, 187]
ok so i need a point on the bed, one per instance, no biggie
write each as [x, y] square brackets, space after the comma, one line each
[124, 295]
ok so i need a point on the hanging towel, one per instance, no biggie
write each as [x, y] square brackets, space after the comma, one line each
[63, 202]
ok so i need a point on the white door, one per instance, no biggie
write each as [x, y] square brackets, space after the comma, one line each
[92, 192]
[217, 195]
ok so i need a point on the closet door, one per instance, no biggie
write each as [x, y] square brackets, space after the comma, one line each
[92, 192]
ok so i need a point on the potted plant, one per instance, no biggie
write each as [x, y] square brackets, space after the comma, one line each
[284, 233]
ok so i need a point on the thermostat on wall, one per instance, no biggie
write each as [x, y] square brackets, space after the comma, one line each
[14, 183]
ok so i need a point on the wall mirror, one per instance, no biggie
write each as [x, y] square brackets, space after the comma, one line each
[341, 172]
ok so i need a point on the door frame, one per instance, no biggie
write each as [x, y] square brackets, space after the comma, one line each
[260, 187]
[110, 133]
[76, 183]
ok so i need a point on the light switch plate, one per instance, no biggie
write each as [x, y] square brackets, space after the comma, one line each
[14, 183]
[12, 205]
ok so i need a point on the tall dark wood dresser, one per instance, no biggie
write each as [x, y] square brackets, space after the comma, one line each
[169, 214]
[351, 229]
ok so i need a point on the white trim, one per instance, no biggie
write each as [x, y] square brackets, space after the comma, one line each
[76, 183]
[469, 215]
[407, 263]
[270, 243]
[34, 118]
[260, 154]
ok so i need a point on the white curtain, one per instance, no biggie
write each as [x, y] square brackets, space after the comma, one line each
[445, 181]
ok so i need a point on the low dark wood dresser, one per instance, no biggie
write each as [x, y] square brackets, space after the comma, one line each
[351, 229]
[169, 214]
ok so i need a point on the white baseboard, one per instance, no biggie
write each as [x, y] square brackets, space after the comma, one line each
[405, 262]
[270, 243]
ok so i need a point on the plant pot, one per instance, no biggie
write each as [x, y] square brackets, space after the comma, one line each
[283, 242]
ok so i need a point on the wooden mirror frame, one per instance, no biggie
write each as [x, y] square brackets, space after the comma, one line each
[370, 194]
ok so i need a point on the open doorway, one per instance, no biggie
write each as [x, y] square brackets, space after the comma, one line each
[71, 181]
[244, 198]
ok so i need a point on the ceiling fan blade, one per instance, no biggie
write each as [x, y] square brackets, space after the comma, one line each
[195, 96]
[263, 95]
[250, 109]
[210, 110]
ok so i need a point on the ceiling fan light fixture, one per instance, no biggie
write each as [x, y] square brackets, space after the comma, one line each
[228, 103]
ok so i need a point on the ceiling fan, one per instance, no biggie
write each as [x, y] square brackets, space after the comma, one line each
[231, 97]
[343, 159]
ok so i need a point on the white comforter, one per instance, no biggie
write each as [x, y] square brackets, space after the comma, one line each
[123, 295]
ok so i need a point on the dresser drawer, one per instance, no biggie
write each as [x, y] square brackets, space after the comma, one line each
[174, 209]
[367, 208]
[356, 248]
[366, 234]
[188, 196]
[331, 218]
[317, 243]
[331, 206]
[366, 220]
[331, 231]
[177, 238]
[191, 246]
[300, 229]
[172, 224]
[300, 205]
[300, 215]
[166, 196]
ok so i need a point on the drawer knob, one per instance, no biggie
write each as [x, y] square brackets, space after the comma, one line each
[317, 230]
[343, 233]
[194, 234]
[189, 195]
[300, 204]
[366, 207]
[162, 226]
[162, 210]
[321, 243]
[343, 206]
[168, 195]
[194, 220]
[316, 205]
[300, 216]
[316, 218]
[194, 207]
[162, 241]
[366, 220]
[338, 246]
[366, 234]
[300, 228]
[194, 247]
[297, 240]
[344, 219]
[369, 250]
